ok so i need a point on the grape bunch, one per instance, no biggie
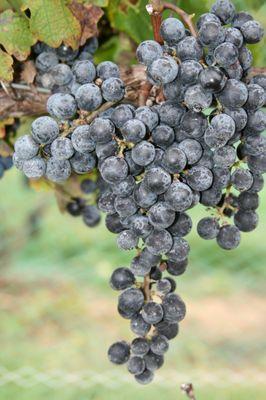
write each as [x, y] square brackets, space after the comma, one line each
[203, 144]
[54, 65]
[5, 164]
[60, 144]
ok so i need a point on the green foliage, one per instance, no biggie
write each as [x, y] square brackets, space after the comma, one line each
[15, 34]
[6, 62]
[52, 22]
[131, 17]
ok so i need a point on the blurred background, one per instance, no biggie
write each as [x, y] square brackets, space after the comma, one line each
[58, 314]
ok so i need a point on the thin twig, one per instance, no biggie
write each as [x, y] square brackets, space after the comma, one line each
[186, 17]
[144, 92]
[187, 388]
[20, 86]
[103, 108]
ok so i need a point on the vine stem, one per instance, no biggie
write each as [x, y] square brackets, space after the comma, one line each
[185, 16]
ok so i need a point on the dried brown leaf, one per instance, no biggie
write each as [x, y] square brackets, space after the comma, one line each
[88, 16]
[29, 72]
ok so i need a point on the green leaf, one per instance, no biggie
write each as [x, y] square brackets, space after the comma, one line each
[52, 22]
[99, 3]
[6, 70]
[130, 16]
[15, 35]
[114, 49]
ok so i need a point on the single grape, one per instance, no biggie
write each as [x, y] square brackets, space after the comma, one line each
[181, 226]
[159, 242]
[192, 150]
[127, 240]
[84, 71]
[91, 216]
[107, 69]
[163, 135]
[62, 74]
[242, 179]
[240, 18]
[171, 113]
[62, 148]
[147, 116]
[189, 48]
[194, 124]
[211, 34]
[172, 30]
[160, 215]
[46, 60]
[153, 361]
[102, 130]
[121, 279]
[234, 36]
[119, 353]
[152, 312]
[61, 106]
[189, 72]
[199, 178]
[252, 31]
[228, 237]
[149, 51]
[174, 308]
[179, 196]
[133, 130]
[139, 326]
[34, 168]
[26, 147]
[159, 344]
[177, 268]
[89, 97]
[131, 300]
[224, 9]
[197, 99]
[226, 54]
[136, 365]
[121, 114]
[113, 89]
[143, 153]
[212, 79]
[163, 70]
[58, 170]
[246, 220]
[208, 228]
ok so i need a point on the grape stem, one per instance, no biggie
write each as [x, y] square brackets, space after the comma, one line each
[103, 108]
[185, 16]
[187, 388]
[146, 287]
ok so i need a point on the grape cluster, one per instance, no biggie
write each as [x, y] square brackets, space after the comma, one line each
[202, 144]
[54, 65]
[5, 164]
[59, 144]
[205, 146]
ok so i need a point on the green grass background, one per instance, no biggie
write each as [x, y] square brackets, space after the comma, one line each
[58, 314]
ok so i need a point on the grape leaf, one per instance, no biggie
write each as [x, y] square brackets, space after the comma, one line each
[6, 70]
[15, 35]
[130, 16]
[88, 16]
[99, 3]
[53, 23]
